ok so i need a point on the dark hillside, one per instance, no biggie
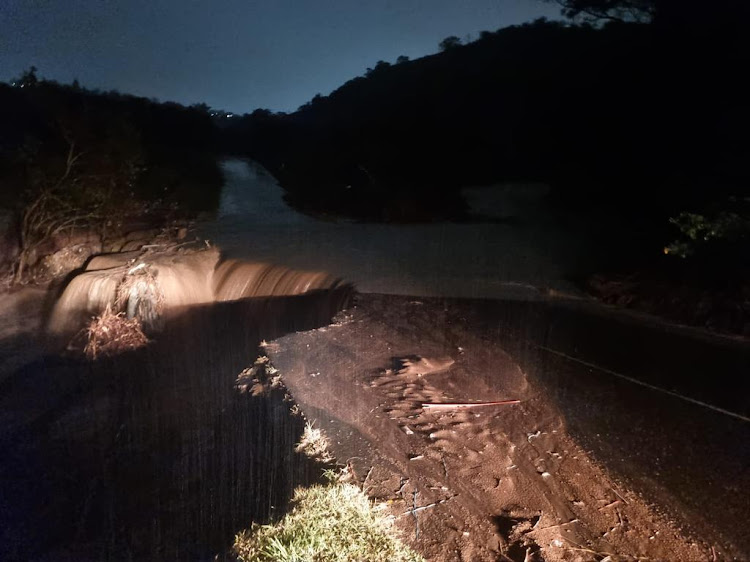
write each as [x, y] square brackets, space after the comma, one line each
[172, 146]
[628, 114]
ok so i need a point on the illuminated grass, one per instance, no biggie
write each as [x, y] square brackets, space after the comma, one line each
[335, 522]
[314, 444]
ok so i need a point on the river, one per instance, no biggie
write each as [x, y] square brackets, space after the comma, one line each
[513, 255]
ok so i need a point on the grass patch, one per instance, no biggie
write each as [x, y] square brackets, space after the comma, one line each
[314, 444]
[335, 522]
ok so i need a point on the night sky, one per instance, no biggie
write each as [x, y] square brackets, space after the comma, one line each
[236, 55]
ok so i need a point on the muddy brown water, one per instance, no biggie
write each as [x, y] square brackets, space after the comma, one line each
[153, 455]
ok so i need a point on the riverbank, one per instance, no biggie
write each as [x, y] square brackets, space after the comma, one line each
[720, 305]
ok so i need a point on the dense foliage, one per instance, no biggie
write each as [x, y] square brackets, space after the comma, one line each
[720, 234]
[72, 158]
[171, 145]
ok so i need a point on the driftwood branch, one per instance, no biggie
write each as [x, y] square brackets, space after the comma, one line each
[462, 405]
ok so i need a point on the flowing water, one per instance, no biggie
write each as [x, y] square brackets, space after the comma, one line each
[172, 281]
[511, 255]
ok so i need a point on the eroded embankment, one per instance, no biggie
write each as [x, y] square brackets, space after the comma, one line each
[502, 482]
[154, 285]
[153, 454]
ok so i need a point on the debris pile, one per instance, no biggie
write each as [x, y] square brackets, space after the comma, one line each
[112, 333]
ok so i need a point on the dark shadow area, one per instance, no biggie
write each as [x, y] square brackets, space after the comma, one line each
[153, 455]
[701, 366]
[682, 456]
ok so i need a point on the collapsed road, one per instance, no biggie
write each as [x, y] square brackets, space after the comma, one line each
[587, 465]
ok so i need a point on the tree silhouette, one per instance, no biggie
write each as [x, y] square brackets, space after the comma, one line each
[690, 15]
[201, 107]
[612, 10]
[73, 158]
[28, 79]
[450, 43]
[379, 67]
[86, 183]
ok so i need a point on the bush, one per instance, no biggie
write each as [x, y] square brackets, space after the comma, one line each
[700, 232]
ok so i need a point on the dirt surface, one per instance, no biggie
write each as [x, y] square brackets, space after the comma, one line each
[20, 323]
[490, 483]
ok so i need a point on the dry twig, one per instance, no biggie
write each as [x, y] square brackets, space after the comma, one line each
[110, 334]
[461, 405]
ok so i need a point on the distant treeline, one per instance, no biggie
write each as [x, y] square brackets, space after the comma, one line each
[79, 143]
[650, 114]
